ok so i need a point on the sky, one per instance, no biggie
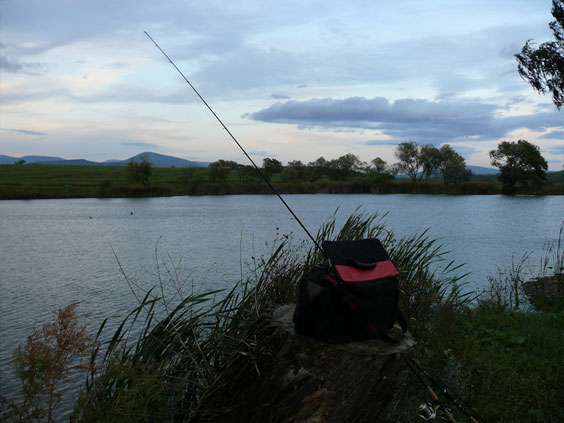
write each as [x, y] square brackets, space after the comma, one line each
[292, 80]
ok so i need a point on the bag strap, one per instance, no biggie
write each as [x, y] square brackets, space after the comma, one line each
[348, 299]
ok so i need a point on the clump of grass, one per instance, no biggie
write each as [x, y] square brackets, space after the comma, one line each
[525, 284]
[506, 289]
[546, 291]
[160, 372]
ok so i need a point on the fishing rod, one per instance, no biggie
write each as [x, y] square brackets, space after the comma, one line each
[240, 146]
[457, 402]
[432, 394]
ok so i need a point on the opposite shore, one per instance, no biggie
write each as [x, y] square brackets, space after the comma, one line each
[42, 182]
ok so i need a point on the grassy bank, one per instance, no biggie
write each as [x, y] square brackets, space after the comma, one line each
[502, 354]
[504, 360]
[507, 364]
[46, 181]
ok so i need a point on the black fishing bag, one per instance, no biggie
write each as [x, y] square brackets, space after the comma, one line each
[354, 299]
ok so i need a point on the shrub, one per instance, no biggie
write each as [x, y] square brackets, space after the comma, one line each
[44, 363]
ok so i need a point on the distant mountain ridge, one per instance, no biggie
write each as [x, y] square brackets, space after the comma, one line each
[481, 170]
[157, 160]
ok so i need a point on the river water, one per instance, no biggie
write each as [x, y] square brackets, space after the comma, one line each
[54, 252]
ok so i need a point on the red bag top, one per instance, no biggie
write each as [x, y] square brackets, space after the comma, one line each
[383, 269]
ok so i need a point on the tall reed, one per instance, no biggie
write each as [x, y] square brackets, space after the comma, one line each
[527, 284]
[161, 373]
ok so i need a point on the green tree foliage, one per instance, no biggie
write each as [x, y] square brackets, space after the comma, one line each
[294, 171]
[271, 167]
[379, 171]
[316, 169]
[289, 174]
[452, 166]
[430, 157]
[416, 161]
[192, 177]
[20, 162]
[299, 167]
[409, 160]
[246, 172]
[519, 162]
[543, 67]
[345, 166]
[219, 171]
[139, 171]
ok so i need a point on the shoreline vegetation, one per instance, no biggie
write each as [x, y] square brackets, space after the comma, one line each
[495, 350]
[69, 181]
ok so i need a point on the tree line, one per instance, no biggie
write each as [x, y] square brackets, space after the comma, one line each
[415, 161]
[520, 163]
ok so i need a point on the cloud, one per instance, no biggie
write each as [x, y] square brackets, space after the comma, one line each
[15, 66]
[382, 142]
[129, 93]
[559, 149]
[140, 144]
[23, 131]
[419, 120]
[117, 65]
[279, 96]
[553, 135]
[258, 153]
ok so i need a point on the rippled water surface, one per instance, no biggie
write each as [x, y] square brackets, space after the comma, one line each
[54, 252]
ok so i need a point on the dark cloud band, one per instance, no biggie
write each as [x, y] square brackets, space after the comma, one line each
[416, 119]
[23, 131]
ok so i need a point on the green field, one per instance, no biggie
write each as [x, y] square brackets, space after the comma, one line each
[42, 181]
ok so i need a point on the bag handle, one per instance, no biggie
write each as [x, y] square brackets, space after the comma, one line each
[362, 265]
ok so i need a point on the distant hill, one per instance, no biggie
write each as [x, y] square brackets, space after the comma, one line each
[161, 160]
[480, 170]
[28, 159]
[157, 160]
[75, 162]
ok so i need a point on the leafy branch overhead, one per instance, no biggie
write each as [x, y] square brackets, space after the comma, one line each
[543, 67]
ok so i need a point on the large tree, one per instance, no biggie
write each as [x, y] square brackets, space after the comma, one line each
[452, 166]
[293, 171]
[416, 161]
[271, 167]
[409, 160]
[246, 172]
[543, 67]
[218, 171]
[345, 166]
[379, 171]
[316, 169]
[520, 162]
[430, 157]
